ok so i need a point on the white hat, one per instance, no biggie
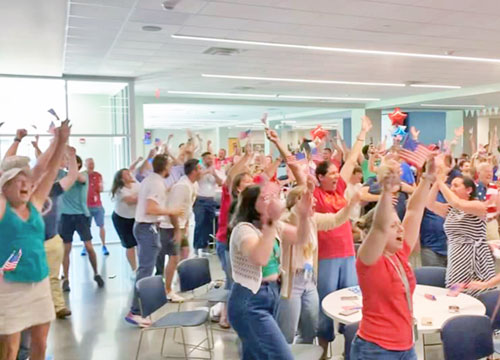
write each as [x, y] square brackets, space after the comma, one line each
[11, 167]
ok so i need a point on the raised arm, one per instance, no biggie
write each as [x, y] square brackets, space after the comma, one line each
[473, 207]
[12, 150]
[375, 242]
[70, 178]
[352, 159]
[133, 166]
[329, 221]
[38, 152]
[47, 180]
[416, 205]
[435, 206]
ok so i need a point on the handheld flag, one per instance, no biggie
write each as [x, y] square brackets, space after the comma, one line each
[414, 153]
[12, 261]
[245, 134]
[52, 128]
[53, 113]
[264, 120]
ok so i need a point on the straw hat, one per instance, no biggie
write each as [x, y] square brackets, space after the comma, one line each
[11, 167]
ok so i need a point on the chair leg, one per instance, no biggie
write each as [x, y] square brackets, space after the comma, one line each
[163, 341]
[184, 343]
[139, 345]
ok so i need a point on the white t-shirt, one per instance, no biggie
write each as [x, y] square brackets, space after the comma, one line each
[151, 188]
[121, 207]
[181, 195]
[207, 186]
[350, 190]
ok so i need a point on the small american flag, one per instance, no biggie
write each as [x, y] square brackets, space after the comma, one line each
[52, 128]
[53, 113]
[414, 153]
[244, 134]
[12, 261]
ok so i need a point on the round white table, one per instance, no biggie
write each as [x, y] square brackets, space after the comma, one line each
[437, 309]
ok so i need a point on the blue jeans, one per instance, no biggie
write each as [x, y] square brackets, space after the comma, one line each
[333, 274]
[204, 216]
[300, 311]
[148, 247]
[225, 260]
[252, 316]
[365, 350]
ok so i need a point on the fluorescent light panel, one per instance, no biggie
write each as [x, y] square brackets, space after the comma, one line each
[275, 96]
[436, 86]
[453, 106]
[336, 49]
[313, 81]
[326, 98]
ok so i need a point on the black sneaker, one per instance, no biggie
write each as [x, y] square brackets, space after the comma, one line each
[98, 279]
[65, 286]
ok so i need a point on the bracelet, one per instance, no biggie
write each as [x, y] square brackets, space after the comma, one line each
[17, 139]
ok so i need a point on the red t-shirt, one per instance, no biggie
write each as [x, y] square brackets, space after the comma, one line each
[225, 204]
[386, 320]
[336, 243]
[94, 195]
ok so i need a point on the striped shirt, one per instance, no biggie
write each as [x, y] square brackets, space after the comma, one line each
[469, 256]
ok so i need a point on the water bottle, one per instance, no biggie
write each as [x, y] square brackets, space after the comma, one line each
[491, 199]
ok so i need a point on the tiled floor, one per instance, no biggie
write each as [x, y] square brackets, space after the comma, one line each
[97, 330]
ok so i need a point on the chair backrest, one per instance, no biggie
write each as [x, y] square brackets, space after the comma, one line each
[490, 299]
[431, 275]
[349, 334]
[193, 273]
[467, 337]
[151, 292]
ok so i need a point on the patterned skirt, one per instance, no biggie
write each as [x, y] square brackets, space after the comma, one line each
[469, 260]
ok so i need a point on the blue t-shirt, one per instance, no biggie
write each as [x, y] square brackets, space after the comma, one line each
[481, 190]
[432, 233]
[407, 175]
[375, 189]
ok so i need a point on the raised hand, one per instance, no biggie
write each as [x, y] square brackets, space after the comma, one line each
[459, 131]
[272, 135]
[64, 130]
[152, 153]
[21, 133]
[388, 174]
[35, 142]
[366, 124]
[414, 132]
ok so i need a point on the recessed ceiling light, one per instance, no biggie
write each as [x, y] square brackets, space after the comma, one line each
[151, 28]
[313, 81]
[453, 106]
[335, 49]
[436, 86]
[326, 98]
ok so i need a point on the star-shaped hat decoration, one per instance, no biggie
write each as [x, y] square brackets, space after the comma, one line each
[397, 117]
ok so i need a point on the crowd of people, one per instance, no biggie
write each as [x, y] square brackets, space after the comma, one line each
[340, 217]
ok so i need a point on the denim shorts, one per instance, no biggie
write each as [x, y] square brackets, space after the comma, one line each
[98, 214]
[365, 350]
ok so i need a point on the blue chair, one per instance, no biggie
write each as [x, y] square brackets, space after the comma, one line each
[467, 337]
[195, 273]
[349, 334]
[151, 292]
[490, 299]
[431, 275]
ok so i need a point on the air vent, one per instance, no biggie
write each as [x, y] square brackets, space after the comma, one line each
[221, 51]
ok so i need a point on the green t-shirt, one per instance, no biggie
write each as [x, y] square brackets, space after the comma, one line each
[366, 172]
[74, 200]
[273, 265]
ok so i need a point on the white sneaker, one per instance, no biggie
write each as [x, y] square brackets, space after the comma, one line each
[137, 320]
[172, 296]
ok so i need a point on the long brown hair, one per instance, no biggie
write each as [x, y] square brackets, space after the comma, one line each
[118, 182]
